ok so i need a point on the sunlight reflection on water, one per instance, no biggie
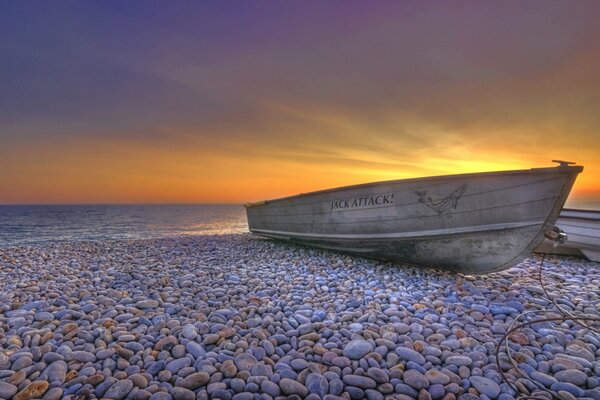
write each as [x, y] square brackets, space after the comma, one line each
[32, 224]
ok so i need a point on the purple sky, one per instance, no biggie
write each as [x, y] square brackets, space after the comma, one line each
[341, 86]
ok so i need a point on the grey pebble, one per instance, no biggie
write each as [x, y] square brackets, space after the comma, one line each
[119, 390]
[485, 386]
[7, 390]
[357, 348]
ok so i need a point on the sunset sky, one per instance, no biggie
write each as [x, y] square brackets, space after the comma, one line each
[234, 101]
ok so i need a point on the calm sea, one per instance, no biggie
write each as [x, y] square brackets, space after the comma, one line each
[28, 224]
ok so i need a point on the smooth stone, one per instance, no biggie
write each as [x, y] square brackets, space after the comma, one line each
[44, 316]
[290, 387]
[166, 343]
[573, 376]
[436, 391]
[83, 356]
[55, 393]
[336, 386]
[355, 393]
[146, 304]
[161, 396]
[270, 388]
[177, 364]
[190, 332]
[138, 380]
[356, 349]
[378, 375]
[243, 396]
[156, 367]
[180, 393]
[459, 361]
[544, 379]
[298, 364]
[195, 380]
[245, 362]
[569, 388]
[262, 369]
[437, 377]
[195, 349]
[237, 385]
[415, 379]
[34, 390]
[7, 390]
[410, 355]
[316, 384]
[372, 394]
[119, 390]
[359, 381]
[485, 386]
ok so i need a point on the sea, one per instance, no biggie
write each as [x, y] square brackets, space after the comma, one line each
[39, 224]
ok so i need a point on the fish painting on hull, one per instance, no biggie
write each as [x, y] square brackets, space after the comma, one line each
[448, 202]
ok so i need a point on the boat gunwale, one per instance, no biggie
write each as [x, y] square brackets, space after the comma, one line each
[558, 169]
[594, 218]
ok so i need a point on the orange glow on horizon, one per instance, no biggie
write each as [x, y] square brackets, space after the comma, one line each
[109, 172]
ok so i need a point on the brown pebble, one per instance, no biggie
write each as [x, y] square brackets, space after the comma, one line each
[72, 374]
[95, 379]
[228, 369]
[227, 332]
[69, 327]
[17, 378]
[33, 390]
[166, 343]
[195, 380]
[312, 336]
[519, 338]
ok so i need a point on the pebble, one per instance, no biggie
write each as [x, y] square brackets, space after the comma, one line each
[415, 379]
[359, 381]
[119, 390]
[236, 317]
[459, 361]
[410, 355]
[358, 348]
[195, 380]
[485, 386]
[83, 356]
[34, 390]
[291, 387]
[573, 376]
[7, 390]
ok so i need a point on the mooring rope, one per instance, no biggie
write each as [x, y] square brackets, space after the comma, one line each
[567, 316]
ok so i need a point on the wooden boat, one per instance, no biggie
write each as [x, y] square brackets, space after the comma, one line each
[582, 228]
[471, 223]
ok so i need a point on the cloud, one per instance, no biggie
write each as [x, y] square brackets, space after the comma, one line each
[340, 92]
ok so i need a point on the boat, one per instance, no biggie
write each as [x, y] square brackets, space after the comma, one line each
[472, 223]
[582, 228]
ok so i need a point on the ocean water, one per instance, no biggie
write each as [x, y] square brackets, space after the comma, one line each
[35, 224]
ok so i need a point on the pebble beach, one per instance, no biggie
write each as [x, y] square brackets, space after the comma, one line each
[239, 317]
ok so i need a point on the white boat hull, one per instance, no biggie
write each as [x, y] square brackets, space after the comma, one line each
[473, 223]
[583, 234]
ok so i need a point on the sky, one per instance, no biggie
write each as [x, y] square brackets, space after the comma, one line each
[235, 101]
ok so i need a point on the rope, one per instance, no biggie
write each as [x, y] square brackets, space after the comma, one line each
[567, 316]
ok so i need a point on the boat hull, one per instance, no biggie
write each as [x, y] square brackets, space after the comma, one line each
[472, 223]
[583, 234]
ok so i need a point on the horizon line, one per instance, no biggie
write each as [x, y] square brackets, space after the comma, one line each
[122, 204]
